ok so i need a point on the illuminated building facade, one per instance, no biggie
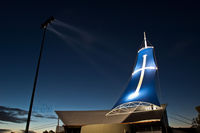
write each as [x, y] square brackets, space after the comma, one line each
[138, 108]
[140, 94]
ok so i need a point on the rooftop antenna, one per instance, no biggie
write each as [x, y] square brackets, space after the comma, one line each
[145, 40]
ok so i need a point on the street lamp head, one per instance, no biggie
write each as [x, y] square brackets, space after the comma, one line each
[48, 21]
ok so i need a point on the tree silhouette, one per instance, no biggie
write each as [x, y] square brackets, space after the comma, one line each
[196, 121]
[51, 131]
[45, 131]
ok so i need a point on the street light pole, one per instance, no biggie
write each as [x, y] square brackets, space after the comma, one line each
[43, 26]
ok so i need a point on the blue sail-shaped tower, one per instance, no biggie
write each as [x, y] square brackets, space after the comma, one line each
[140, 94]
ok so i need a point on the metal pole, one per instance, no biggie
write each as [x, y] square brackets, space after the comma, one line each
[44, 26]
[145, 40]
[35, 82]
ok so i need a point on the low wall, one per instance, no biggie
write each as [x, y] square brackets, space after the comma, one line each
[106, 128]
[184, 130]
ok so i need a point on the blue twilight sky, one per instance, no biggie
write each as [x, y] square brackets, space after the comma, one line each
[88, 67]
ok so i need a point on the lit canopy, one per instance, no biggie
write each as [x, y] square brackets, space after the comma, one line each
[141, 87]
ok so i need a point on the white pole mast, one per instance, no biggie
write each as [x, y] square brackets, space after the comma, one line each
[145, 40]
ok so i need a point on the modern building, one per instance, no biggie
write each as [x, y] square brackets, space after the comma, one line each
[137, 110]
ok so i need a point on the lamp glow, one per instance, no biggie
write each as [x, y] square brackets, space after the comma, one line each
[136, 93]
[143, 68]
[133, 95]
[142, 74]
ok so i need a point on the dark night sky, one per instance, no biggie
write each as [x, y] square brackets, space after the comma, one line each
[92, 74]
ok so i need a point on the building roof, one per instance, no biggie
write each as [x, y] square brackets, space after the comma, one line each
[88, 117]
[80, 118]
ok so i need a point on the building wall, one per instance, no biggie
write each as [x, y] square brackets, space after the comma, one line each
[149, 127]
[184, 130]
[107, 128]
